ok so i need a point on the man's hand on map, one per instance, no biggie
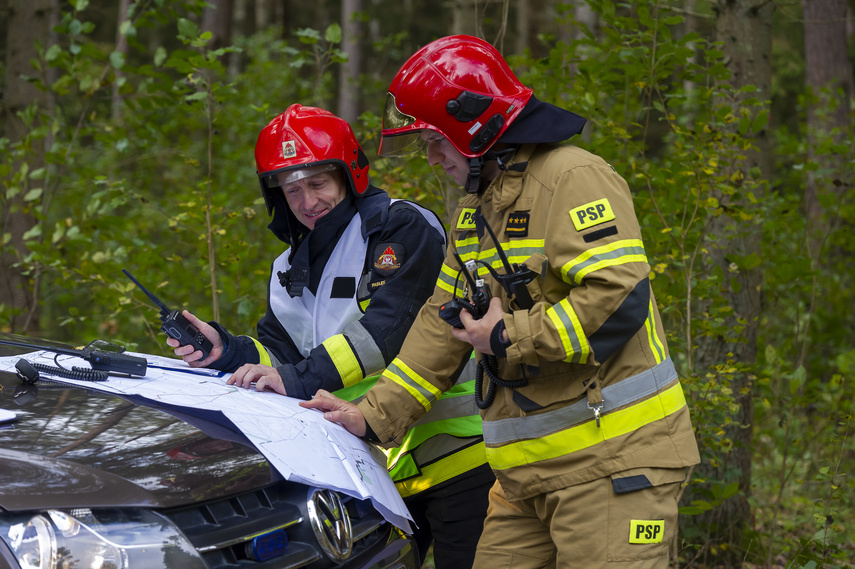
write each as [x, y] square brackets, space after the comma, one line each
[264, 377]
[194, 357]
[338, 411]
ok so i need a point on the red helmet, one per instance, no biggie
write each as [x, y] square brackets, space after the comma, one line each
[308, 140]
[458, 86]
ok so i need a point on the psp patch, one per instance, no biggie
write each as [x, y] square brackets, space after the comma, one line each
[646, 531]
[592, 214]
[388, 258]
[517, 224]
[467, 218]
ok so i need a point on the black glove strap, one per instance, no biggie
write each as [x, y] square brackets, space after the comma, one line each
[499, 346]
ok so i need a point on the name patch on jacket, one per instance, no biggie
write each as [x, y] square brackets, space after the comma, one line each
[388, 258]
[466, 219]
[592, 214]
[517, 224]
[646, 531]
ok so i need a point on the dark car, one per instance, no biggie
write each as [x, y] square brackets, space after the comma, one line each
[90, 480]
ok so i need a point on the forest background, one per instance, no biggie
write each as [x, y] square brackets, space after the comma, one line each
[127, 142]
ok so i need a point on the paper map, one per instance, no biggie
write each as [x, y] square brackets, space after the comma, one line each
[302, 445]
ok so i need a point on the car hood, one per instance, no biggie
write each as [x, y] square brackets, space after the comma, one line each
[115, 452]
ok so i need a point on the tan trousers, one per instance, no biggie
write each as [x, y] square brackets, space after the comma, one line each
[584, 526]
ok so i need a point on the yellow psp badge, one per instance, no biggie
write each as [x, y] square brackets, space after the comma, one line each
[466, 219]
[646, 531]
[592, 214]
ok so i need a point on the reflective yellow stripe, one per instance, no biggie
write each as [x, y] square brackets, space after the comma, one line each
[447, 278]
[419, 388]
[576, 346]
[517, 251]
[344, 359]
[263, 356]
[444, 469]
[467, 248]
[617, 253]
[587, 434]
[655, 344]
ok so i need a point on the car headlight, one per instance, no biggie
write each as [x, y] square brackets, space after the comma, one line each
[97, 539]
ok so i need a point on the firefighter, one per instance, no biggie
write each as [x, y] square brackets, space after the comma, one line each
[340, 302]
[585, 422]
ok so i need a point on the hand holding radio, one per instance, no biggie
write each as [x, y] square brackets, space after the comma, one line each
[476, 331]
[190, 353]
[177, 325]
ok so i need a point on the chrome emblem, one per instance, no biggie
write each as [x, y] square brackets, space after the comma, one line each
[331, 523]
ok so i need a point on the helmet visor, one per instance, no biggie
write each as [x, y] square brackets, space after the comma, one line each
[281, 178]
[392, 117]
[401, 144]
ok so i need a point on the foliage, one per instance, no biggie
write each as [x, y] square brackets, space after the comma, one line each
[165, 187]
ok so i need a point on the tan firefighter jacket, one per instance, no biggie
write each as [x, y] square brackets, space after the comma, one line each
[602, 396]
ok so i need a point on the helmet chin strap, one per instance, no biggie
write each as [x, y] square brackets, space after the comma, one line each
[473, 180]
[476, 165]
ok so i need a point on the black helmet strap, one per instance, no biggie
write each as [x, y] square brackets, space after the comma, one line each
[476, 165]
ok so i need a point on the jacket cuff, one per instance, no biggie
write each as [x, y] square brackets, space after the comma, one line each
[292, 384]
[521, 350]
[228, 361]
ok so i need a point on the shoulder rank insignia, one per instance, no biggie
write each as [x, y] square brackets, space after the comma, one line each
[592, 214]
[517, 224]
[388, 261]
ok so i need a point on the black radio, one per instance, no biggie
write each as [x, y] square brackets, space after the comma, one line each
[176, 325]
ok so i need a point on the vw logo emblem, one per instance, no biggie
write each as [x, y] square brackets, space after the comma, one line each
[331, 523]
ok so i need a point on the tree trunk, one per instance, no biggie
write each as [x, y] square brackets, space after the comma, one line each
[523, 24]
[348, 74]
[121, 47]
[464, 17]
[745, 29]
[828, 77]
[217, 19]
[27, 21]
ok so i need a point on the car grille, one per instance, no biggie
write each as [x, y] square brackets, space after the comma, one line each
[221, 530]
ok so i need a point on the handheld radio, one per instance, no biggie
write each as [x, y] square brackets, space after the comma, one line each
[480, 294]
[175, 325]
[100, 361]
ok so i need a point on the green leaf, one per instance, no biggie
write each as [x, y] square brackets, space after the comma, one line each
[187, 28]
[333, 33]
[53, 52]
[33, 195]
[159, 56]
[32, 233]
[117, 59]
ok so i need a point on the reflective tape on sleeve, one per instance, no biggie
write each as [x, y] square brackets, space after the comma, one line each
[365, 347]
[566, 322]
[263, 356]
[343, 359]
[617, 253]
[424, 391]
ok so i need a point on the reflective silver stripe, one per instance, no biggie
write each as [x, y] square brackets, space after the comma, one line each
[622, 393]
[449, 408]
[365, 348]
[439, 446]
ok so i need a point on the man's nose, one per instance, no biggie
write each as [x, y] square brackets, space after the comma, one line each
[309, 198]
[434, 155]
